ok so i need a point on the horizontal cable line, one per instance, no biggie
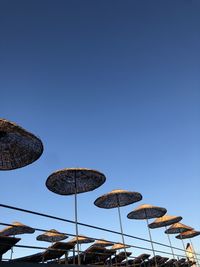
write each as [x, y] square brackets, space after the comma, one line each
[87, 225]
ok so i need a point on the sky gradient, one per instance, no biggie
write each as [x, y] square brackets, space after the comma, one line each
[107, 85]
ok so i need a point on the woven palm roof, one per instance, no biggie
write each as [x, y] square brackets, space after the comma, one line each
[16, 228]
[177, 228]
[18, 147]
[51, 236]
[70, 180]
[188, 234]
[146, 211]
[117, 198]
[82, 239]
[165, 220]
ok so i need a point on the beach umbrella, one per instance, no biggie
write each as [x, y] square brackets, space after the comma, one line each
[189, 234]
[51, 236]
[165, 221]
[119, 246]
[16, 228]
[73, 181]
[18, 147]
[178, 228]
[103, 243]
[116, 199]
[146, 212]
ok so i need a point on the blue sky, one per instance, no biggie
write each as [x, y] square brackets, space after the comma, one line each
[109, 85]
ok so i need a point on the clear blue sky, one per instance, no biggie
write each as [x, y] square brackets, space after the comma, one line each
[109, 85]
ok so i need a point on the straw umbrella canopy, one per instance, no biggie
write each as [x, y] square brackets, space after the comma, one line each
[16, 228]
[119, 246]
[188, 234]
[72, 181]
[165, 221]
[147, 212]
[18, 147]
[51, 236]
[178, 228]
[81, 239]
[116, 199]
[103, 243]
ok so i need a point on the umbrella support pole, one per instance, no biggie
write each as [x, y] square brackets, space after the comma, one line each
[122, 233]
[147, 221]
[77, 243]
[183, 247]
[194, 253]
[170, 243]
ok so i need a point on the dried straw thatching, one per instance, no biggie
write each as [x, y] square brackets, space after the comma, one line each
[16, 228]
[177, 228]
[81, 239]
[117, 198]
[188, 234]
[146, 211]
[70, 180]
[103, 243]
[119, 246]
[51, 236]
[18, 147]
[164, 221]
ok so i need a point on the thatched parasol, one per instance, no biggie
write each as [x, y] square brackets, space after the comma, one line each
[18, 147]
[119, 246]
[16, 228]
[178, 228]
[165, 221]
[51, 236]
[71, 181]
[147, 212]
[116, 199]
[103, 243]
[188, 234]
[81, 239]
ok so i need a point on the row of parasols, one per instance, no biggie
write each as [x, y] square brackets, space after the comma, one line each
[19, 148]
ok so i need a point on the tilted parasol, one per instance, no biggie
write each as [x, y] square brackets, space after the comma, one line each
[165, 221]
[71, 181]
[119, 246]
[178, 228]
[81, 240]
[18, 147]
[16, 228]
[147, 212]
[51, 236]
[103, 243]
[116, 199]
[188, 234]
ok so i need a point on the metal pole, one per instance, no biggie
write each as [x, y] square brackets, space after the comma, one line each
[170, 243]
[77, 243]
[183, 245]
[147, 221]
[120, 222]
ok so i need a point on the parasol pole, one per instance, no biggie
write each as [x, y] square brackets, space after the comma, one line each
[170, 243]
[147, 221]
[183, 245]
[120, 222]
[77, 243]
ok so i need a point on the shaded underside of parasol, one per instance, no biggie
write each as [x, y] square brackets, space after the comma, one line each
[117, 198]
[74, 180]
[51, 236]
[146, 211]
[165, 220]
[16, 228]
[18, 147]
